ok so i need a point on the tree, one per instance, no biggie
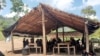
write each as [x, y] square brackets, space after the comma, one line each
[88, 11]
[17, 7]
[2, 4]
[5, 22]
[2, 23]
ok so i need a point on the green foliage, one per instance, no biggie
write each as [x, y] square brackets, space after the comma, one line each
[3, 4]
[1, 22]
[88, 11]
[66, 29]
[17, 5]
[96, 34]
[5, 22]
[1, 36]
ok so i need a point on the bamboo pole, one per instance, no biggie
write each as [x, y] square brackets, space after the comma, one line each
[63, 33]
[87, 37]
[56, 33]
[12, 42]
[44, 32]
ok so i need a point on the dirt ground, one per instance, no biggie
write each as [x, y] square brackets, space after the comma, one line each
[5, 48]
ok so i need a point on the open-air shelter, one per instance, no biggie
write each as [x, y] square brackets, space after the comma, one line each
[43, 19]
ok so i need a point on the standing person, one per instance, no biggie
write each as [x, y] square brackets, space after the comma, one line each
[27, 42]
[26, 48]
[24, 42]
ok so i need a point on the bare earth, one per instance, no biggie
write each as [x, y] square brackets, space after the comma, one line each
[5, 48]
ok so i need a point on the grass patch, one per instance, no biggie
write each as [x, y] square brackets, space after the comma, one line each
[1, 36]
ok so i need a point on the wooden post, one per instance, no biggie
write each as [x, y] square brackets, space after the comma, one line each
[56, 33]
[63, 33]
[84, 38]
[44, 33]
[56, 30]
[12, 42]
[87, 37]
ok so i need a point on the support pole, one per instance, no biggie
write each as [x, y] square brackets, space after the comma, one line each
[44, 33]
[84, 39]
[56, 30]
[87, 37]
[12, 42]
[63, 33]
[56, 33]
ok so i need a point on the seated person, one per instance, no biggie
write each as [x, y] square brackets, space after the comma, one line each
[72, 41]
[58, 40]
[32, 40]
[39, 42]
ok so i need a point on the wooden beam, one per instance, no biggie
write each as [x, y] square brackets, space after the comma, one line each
[44, 32]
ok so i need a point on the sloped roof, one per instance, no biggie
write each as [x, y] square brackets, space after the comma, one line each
[31, 23]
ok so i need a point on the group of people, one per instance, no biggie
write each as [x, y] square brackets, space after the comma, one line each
[53, 42]
[26, 42]
[79, 45]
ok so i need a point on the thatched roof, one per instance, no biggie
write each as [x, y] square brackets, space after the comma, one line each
[31, 23]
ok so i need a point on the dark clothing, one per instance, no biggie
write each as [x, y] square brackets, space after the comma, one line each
[24, 44]
[72, 42]
[1, 54]
[32, 40]
[58, 40]
[39, 42]
[27, 42]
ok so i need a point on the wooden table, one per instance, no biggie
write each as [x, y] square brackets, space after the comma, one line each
[64, 45]
[34, 45]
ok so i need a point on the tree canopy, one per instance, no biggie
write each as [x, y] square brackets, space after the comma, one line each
[88, 11]
[18, 8]
[5, 22]
[2, 4]
[17, 5]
